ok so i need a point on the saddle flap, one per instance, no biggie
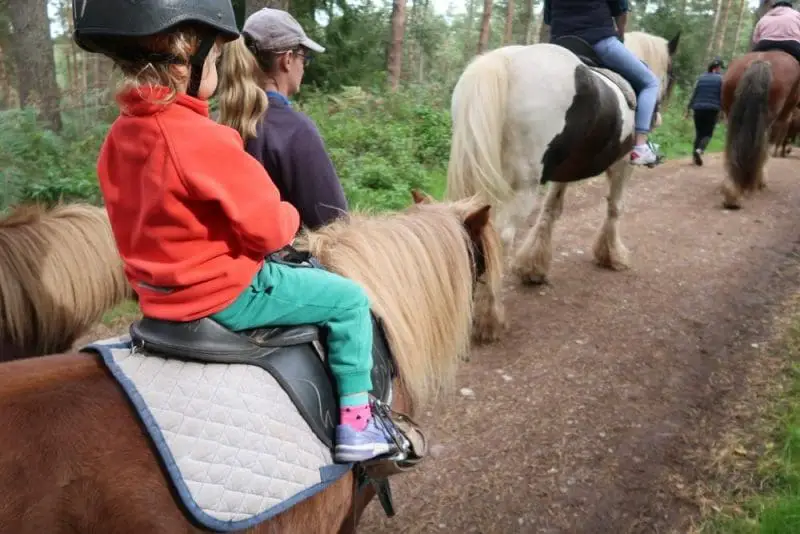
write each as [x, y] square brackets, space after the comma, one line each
[206, 339]
[580, 48]
[307, 380]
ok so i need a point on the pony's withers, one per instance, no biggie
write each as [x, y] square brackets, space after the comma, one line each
[59, 271]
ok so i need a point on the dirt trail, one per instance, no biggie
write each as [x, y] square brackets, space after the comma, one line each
[589, 407]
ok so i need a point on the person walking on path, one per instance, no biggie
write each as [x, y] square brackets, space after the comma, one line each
[706, 103]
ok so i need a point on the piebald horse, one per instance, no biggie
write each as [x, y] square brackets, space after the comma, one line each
[529, 115]
[760, 91]
[75, 457]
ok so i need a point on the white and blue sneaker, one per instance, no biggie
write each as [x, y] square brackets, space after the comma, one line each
[374, 441]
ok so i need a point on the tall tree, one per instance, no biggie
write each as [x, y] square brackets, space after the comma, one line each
[723, 26]
[508, 34]
[737, 39]
[714, 29]
[398, 30]
[486, 24]
[468, 28]
[544, 31]
[32, 50]
[528, 22]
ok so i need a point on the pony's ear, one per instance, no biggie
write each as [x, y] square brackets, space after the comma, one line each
[421, 197]
[672, 46]
[476, 221]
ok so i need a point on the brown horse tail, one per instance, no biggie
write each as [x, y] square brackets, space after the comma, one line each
[747, 143]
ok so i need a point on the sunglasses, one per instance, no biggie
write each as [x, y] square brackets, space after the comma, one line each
[306, 55]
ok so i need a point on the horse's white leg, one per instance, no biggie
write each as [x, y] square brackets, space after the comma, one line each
[514, 215]
[532, 261]
[608, 248]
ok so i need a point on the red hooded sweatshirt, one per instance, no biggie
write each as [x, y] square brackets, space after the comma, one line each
[192, 213]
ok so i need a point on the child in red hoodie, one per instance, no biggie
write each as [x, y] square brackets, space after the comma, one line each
[194, 215]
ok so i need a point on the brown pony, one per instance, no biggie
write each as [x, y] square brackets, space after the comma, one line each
[759, 92]
[75, 457]
[59, 271]
[785, 144]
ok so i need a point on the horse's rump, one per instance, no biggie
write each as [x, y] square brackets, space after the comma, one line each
[784, 90]
[759, 91]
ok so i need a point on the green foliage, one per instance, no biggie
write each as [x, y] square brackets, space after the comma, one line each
[384, 145]
[774, 505]
[359, 37]
[381, 144]
[41, 166]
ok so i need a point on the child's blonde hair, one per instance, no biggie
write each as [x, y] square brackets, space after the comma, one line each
[165, 60]
[241, 96]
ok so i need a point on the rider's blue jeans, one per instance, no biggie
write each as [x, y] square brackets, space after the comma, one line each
[615, 56]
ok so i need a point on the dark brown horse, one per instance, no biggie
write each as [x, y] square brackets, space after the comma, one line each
[759, 92]
[785, 145]
[76, 458]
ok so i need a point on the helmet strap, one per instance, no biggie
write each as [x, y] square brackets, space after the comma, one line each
[197, 62]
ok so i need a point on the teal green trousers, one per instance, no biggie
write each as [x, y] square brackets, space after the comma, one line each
[282, 295]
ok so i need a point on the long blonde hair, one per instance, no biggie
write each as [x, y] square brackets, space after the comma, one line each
[242, 100]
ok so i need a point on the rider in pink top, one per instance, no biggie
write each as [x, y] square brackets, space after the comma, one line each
[778, 29]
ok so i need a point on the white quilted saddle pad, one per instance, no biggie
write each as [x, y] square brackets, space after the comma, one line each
[236, 448]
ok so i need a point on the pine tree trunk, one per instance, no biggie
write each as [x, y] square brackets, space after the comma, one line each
[528, 22]
[32, 49]
[714, 26]
[483, 38]
[544, 32]
[739, 24]
[723, 27]
[398, 29]
[468, 28]
[5, 83]
[508, 34]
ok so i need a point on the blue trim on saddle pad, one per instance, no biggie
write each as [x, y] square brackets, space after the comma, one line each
[328, 474]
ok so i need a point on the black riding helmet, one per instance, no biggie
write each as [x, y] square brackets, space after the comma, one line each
[96, 20]
[716, 62]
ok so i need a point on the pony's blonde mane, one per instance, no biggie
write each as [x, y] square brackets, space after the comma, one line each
[654, 51]
[416, 267]
[59, 271]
